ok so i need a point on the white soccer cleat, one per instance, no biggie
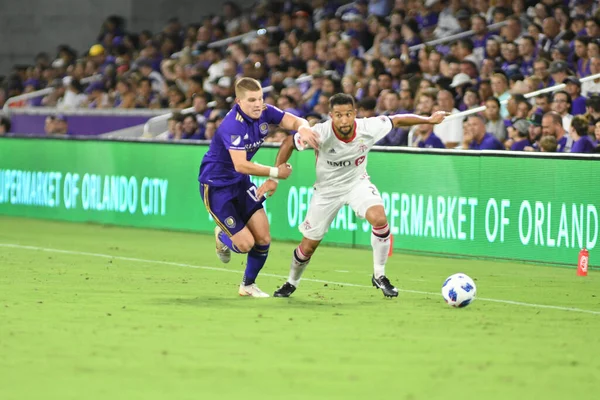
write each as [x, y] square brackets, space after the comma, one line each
[251, 290]
[223, 252]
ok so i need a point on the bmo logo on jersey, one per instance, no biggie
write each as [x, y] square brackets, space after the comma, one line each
[346, 163]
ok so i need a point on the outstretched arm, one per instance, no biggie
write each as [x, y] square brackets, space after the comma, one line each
[412, 119]
[293, 123]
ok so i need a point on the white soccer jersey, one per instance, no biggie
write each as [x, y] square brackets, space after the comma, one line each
[342, 164]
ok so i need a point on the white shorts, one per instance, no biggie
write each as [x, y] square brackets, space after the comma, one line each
[323, 208]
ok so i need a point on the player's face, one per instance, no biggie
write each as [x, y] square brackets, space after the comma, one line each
[252, 103]
[343, 118]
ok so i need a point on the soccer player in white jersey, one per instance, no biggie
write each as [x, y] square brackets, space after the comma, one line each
[344, 142]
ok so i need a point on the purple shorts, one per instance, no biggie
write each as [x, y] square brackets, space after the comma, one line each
[231, 206]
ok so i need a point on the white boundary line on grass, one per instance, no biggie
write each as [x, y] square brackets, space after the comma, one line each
[82, 253]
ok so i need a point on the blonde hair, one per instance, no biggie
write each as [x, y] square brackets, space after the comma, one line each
[244, 85]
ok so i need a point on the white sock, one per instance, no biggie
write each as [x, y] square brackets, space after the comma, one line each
[299, 263]
[380, 241]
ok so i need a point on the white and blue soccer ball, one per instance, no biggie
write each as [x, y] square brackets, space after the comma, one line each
[459, 290]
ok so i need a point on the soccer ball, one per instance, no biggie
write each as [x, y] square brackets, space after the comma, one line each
[459, 290]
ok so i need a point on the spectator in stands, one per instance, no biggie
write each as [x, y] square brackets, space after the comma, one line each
[561, 104]
[426, 138]
[471, 98]
[548, 144]
[494, 125]
[61, 126]
[581, 52]
[366, 107]
[189, 128]
[124, 95]
[579, 133]
[313, 118]
[510, 53]
[450, 130]
[406, 101]
[145, 97]
[535, 132]
[524, 107]
[574, 89]
[593, 109]
[552, 125]
[500, 88]
[97, 96]
[540, 70]
[527, 54]
[176, 98]
[518, 135]
[211, 129]
[476, 138]
[592, 27]
[543, 103]
[4, 126]
[552, 35]
[173, 130]
[447, 20]
[513, 30]
[559, 70]
[277, 136]
[594, 48]
[592, 86]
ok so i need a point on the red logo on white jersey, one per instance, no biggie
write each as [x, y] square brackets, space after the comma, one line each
[359, 160]
[363, 147]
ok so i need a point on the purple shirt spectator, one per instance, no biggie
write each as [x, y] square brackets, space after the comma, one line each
[578, 106]
[583, 145]
[432, 141]
[396, 137]
[489, 142]
[520, 145]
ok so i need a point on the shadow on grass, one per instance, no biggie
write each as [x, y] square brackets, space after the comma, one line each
[315, 302]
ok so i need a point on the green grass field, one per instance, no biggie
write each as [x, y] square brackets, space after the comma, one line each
[95, 312]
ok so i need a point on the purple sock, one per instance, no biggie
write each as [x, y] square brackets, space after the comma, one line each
[227, 240]
[256, 260]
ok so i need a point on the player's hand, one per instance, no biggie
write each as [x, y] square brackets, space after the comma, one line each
[285, 170]
[309, 137]
[438, 116]
[268, 188]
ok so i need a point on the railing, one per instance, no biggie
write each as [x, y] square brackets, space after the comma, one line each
[554, 88]
[164, 117]
[233, 39]
[41, 92]
[454, 37]
[529, 95]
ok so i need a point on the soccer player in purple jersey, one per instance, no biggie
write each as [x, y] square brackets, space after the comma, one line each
[228, 194]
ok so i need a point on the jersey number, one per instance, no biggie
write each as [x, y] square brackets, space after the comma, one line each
[252, 193]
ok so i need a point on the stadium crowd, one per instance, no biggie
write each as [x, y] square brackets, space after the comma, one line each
[366, 48]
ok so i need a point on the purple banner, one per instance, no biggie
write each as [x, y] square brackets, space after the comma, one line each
[78, 124]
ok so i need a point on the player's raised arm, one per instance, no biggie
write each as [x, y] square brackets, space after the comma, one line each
[305, 133]
[412, 119]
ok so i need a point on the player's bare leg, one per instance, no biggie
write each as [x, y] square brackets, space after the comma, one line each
[255, 241]
[300, 259]
[380, 241]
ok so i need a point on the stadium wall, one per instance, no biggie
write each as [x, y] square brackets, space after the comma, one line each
[497, 205]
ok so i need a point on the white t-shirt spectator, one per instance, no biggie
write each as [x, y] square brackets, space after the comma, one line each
[590, 87]
[450, 131]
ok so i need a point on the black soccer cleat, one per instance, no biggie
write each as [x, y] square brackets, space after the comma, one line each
[386, 287]
[285, 291]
